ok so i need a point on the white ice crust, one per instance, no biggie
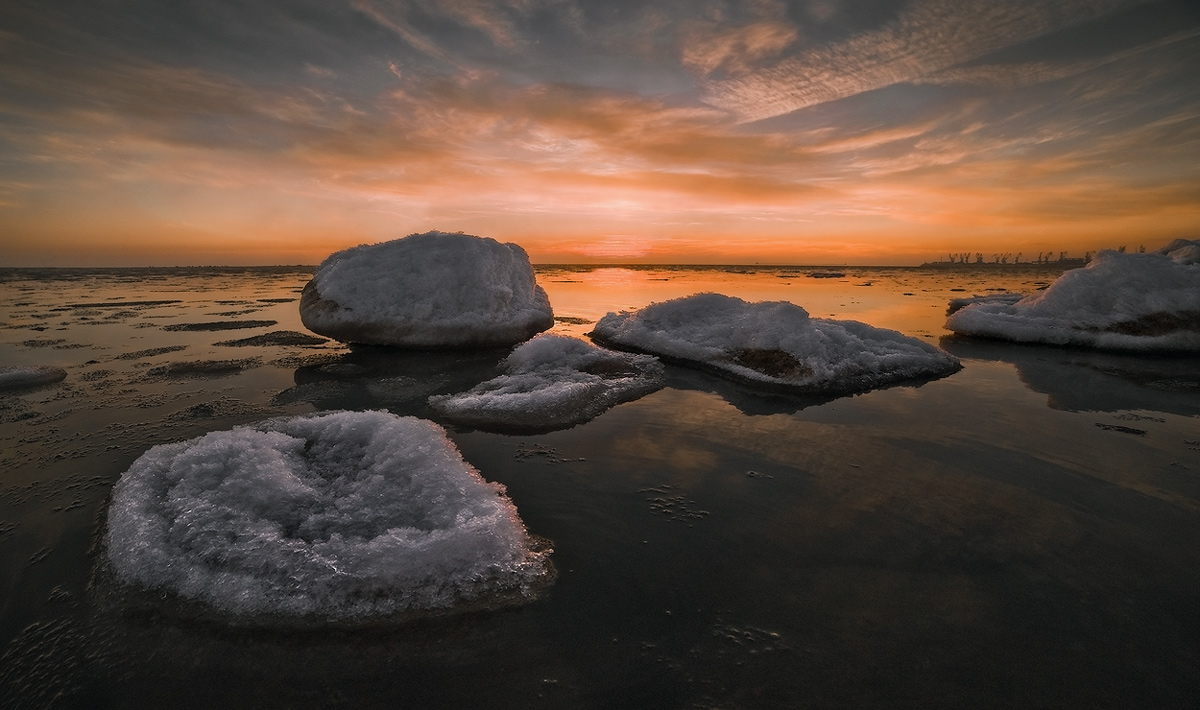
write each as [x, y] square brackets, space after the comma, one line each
[431, 290]
[773, 343]
[336, 516]
[14, 377]
[1183, 251]
[553, 381]
[1118, 301]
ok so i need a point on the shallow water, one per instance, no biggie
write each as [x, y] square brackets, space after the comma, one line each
[1025, 532]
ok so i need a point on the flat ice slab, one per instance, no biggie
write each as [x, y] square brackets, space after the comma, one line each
[774, 344]
[1118, 301]
[335, 516]
[432, 290]
[553, 382]
[17, 377]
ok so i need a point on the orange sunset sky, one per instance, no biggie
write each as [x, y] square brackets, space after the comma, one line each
[197, 132]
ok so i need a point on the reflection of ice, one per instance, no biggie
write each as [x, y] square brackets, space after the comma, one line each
[1091, 381]
[340, 515]
[754, 401]
[427, 290]
[402, 381]
[553, 382]
[750, 401]
[773, 344]
[1119, 301]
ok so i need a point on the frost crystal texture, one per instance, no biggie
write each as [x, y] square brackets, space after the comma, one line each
[553, 381]
[1118, 301]
[16, 377]
[774, 343]
[338, 516]
[431, 290]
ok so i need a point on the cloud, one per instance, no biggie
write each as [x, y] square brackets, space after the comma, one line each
[735, 49]
[494, 18]
[480, 128]
[319, 72]
[930, 37]
[396, 23]
[1011, 76]
[594, 129]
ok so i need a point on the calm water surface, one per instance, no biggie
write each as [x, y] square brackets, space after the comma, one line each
[1023, 533]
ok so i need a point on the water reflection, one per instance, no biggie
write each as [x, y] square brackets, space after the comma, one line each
[761, 401]
[956, 544]
[1078, 380]
[400, 381]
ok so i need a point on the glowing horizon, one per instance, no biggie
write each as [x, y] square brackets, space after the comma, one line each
[821, 132]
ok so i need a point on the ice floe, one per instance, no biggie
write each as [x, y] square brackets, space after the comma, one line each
[774, 344]
[432, 290]
[220, 325]
[335, 516]
[1118, 301]
[275, 337]
[203, 368]
[32, 376]
[553, 381]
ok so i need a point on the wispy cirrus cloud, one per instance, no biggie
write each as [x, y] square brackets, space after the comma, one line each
[930, 37]
[1010, 76]
[495, 19]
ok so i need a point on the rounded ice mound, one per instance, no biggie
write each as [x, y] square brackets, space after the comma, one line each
[431, 290]
[553, 382]
[773, 343]
[17, 377]
[335, 516]
[1118, 301]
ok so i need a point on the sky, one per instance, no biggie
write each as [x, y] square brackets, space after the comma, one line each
[193, 132]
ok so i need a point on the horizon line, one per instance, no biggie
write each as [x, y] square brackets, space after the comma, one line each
[576, 264]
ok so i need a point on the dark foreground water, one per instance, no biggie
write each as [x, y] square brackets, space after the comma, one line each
[1024, 533]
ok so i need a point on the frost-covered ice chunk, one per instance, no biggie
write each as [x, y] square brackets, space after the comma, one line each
[15, 377]
[1183, 251]
[553, 381]
[432, 290]
[1118, 301]
[773, 343]
[337, 516]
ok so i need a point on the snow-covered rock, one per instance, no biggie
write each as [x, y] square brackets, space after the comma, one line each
[432, 290]
[16, 377]
[773, 344]
[334, 516]
[553, 381]
[1118, 301]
